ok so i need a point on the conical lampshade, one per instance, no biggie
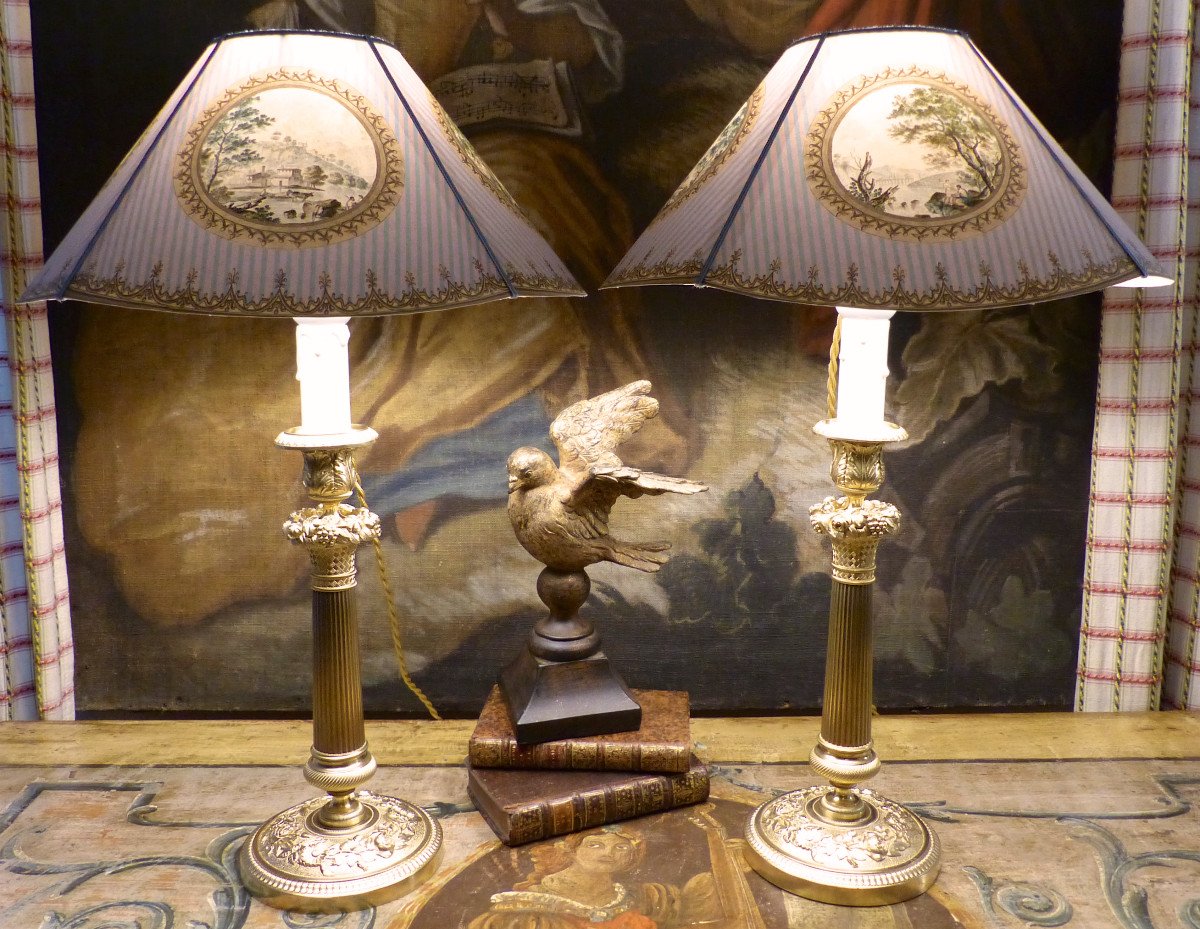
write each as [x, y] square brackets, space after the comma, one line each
[268, 186]
[887, 169]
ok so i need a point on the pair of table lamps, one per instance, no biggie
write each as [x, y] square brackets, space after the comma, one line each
[313, 176]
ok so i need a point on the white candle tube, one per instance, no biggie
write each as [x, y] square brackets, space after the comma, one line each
[862, 366]
[323, 370]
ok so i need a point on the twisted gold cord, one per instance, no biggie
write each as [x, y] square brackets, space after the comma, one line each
[835, 348]
[394, 615]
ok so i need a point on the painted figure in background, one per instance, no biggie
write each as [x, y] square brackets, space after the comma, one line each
[574, 882]
[596, 879]
[678, 870]
[629, 95]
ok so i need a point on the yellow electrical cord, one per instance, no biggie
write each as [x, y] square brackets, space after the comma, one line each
[394, 616]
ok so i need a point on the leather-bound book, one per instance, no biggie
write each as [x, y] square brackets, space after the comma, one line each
[662, 744]
[524, 806]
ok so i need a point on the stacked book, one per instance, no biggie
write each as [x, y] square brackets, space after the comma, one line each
[531, 792]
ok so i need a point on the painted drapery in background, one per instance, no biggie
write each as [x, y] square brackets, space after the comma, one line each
[36, 652]
[1146, 507]
[1139, 644]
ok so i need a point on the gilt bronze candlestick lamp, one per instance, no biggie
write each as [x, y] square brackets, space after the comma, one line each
[313, 176]
[876, 170]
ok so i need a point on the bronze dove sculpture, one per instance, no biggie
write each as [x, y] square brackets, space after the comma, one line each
[562, 685]
[560, 513]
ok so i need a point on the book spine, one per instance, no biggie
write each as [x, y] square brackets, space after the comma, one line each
[579, 756]
[606, 805]
[485, 753]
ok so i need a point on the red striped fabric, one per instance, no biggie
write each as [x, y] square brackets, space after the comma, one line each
[1139, 647]
[37, 655]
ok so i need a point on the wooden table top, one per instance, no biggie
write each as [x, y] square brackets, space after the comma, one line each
[916, 737]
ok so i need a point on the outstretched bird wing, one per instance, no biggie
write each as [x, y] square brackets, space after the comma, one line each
[594, 499]
[586, 433]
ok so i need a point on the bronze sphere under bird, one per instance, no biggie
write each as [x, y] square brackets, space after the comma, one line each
[560, 513]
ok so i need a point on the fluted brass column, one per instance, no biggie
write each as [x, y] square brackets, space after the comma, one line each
[351, 848]
[843, 843]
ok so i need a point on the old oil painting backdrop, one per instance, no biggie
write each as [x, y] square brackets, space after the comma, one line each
[187, 598]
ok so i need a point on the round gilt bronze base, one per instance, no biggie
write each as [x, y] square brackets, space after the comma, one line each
[887, 856]
[292, 862]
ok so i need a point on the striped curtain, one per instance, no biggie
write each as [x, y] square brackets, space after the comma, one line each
[36, 654]
[1139, 642]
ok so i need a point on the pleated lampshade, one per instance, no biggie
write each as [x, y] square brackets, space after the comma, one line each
[301, 174]
[888, 168]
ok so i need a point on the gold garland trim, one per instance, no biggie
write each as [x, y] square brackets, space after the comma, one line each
[153, 294]
[944, 296]
[470, 158]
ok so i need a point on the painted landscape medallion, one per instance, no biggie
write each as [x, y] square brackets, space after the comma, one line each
[913, 154]
[291, 159]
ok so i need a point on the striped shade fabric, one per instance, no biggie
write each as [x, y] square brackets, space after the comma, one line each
[301, 174]
[888, 169]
